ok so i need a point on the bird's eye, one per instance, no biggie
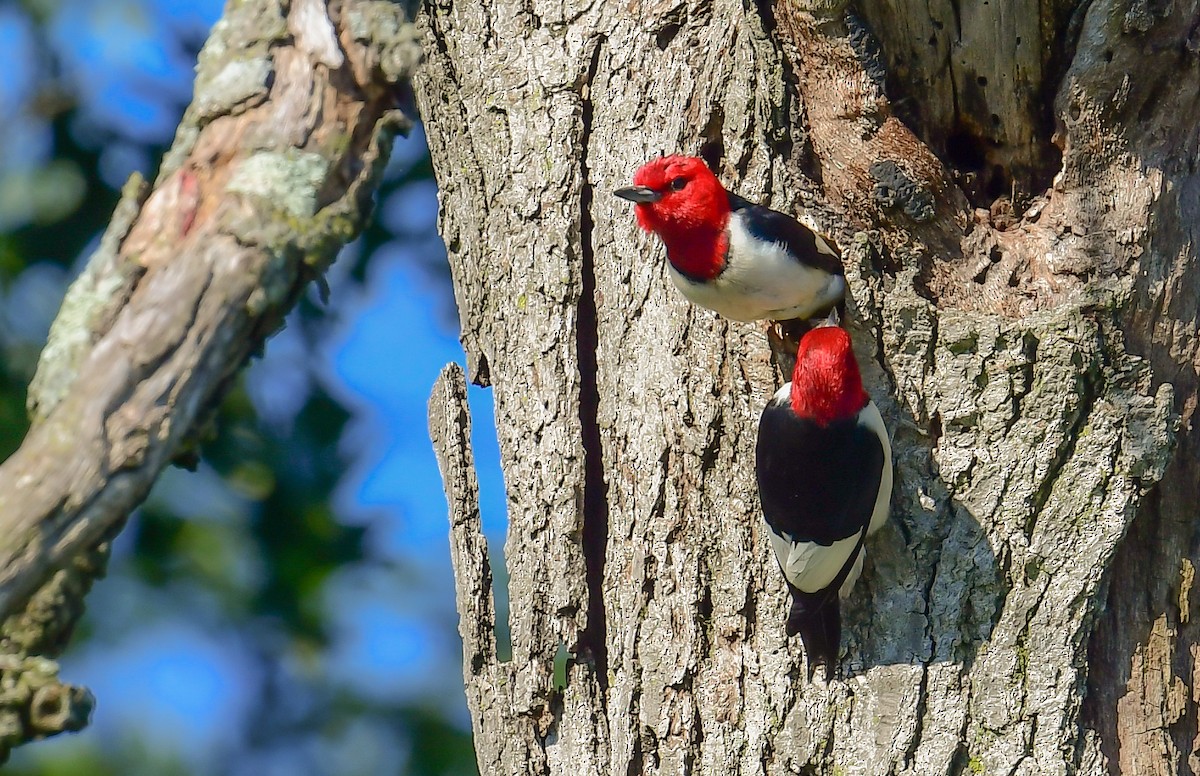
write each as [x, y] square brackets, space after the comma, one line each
[678, 183]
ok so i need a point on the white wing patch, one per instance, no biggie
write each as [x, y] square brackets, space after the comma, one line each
[854, 574]
[823, 246]
[870, 418]
[811, 566]
[783, 395]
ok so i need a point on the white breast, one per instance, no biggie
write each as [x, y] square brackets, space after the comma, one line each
[761, 281]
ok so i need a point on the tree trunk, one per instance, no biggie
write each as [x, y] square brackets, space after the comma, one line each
[1014, 189]
[272, 171]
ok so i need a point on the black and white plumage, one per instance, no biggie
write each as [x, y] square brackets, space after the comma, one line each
[743, 260]
[774, 268]
[824, 470]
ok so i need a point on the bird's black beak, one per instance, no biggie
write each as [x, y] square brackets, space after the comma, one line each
[641, 194]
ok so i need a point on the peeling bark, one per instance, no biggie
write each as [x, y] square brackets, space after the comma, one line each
[1032, 350]
[272, 171]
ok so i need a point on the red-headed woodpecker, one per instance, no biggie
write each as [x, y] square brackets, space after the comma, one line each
[744, 261]
[824, 468]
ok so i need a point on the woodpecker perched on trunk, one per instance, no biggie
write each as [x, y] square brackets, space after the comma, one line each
[743, 260]
[824, 468]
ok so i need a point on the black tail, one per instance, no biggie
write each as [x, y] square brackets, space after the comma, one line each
[817, 617]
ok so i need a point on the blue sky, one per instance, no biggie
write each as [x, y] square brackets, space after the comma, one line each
[394, 635]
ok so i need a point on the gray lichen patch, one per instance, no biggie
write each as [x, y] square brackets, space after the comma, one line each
[289, 179]
[94, 292]
[237, 85]
[394, 41]
[244, 28]
[232, 72]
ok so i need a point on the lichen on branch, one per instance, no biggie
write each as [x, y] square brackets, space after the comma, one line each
[273, 170]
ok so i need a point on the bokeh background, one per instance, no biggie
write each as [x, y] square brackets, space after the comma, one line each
[287, 608]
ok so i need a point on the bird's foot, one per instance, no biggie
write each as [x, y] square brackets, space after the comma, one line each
[821, 674]
[784, 339]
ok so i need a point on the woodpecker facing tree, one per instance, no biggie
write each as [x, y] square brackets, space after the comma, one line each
[824, 469]
[742, 260]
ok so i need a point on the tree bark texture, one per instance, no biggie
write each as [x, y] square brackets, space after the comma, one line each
[272, 171]
[1014, 189]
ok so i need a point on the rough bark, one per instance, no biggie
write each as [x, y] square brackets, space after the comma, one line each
[272, 171]
[1024, 301]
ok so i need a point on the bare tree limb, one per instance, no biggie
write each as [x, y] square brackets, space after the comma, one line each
[272, 171]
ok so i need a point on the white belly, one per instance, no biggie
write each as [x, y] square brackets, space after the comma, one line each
[761, 281]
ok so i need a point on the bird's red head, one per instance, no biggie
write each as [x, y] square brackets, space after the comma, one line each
[827, 385]
[679, 193]
[679, 199]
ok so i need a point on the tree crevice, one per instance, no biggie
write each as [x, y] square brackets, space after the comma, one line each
[594, 639]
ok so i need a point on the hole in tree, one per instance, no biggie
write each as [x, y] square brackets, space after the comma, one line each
[50, 706]
[981, 177]
[965, 151]
[666, 35]
[1152, 101]
[971, 143]
[712, 150]
[998, 182]
[712, 153]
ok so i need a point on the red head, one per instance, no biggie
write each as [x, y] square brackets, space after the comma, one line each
[826, 385]
[679, 199]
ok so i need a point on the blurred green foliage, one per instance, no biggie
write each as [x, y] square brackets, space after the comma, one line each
[251, 561]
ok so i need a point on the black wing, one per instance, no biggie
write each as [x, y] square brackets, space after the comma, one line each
[773, 226]
[816, 484]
